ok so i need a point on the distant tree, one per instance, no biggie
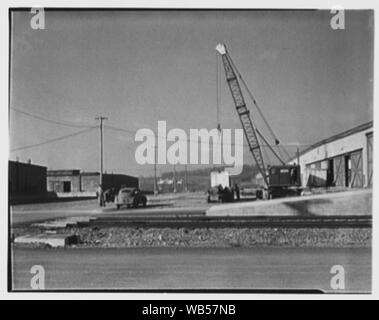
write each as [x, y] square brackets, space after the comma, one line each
[199, 179]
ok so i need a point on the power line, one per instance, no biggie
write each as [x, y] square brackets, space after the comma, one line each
[120, 129]
[131, 132]
[53, 140]
[67, 124]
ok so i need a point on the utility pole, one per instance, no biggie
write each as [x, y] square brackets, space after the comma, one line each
[101, 119]
[174, 179]
[186, 177]
[155, 171]
[298, 156]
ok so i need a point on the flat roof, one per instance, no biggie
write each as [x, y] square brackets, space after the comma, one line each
[25, 164]
[73, 172]
[89, 173]
[77, 172]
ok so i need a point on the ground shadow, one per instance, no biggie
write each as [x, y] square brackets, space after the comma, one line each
[303, 207]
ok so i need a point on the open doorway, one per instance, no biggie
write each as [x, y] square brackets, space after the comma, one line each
[347, 170]
[330, 174]
[66, 186]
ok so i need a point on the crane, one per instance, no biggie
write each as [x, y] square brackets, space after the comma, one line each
[280, 180]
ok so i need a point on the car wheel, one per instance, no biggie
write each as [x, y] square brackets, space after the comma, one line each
[118, 207]
[144, 203]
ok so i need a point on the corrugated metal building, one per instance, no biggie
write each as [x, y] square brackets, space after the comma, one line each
[26, 179]
[343, 160]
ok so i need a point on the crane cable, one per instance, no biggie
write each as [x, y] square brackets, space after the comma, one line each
[218, 95]
[285, 151]
[277, 142]
[279, 150]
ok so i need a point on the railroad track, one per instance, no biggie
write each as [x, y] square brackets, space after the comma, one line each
[235, 222]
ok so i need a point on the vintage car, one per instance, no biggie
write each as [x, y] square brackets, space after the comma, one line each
[130, 197]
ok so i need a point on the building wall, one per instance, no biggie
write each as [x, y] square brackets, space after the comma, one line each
[119, 180]
[57, 183]
[90, 181]
[315, 159]
[26, 179]
[86, 181]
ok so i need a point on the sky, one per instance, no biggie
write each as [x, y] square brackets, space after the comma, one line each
[139, 67]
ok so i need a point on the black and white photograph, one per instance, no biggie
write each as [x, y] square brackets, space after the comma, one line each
[190, 150]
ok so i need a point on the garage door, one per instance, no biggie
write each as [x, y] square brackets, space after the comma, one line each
[369, 159]
[356, 170]
[339, 171]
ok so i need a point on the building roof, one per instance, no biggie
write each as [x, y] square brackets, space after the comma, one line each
[73, 172]
[338, 136]
[90, 173]
[11, 162]
[77, 172]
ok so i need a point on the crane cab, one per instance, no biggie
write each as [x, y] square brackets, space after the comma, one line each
[284, 181]
[284, 176]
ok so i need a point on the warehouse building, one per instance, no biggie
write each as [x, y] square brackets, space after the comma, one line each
[343, 160]
[75, 181]
[26, 182]
[63, 181]
[26, 179]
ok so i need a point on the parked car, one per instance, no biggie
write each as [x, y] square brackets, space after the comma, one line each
[130, 197]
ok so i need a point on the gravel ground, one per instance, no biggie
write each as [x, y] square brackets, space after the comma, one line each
[217, 237]
[225, 237]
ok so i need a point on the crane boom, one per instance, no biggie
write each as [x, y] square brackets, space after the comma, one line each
[242, 110]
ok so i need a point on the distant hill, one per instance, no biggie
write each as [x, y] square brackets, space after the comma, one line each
[198, 179]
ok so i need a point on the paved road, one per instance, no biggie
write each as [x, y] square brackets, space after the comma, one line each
[43, 212]
[194, 268]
